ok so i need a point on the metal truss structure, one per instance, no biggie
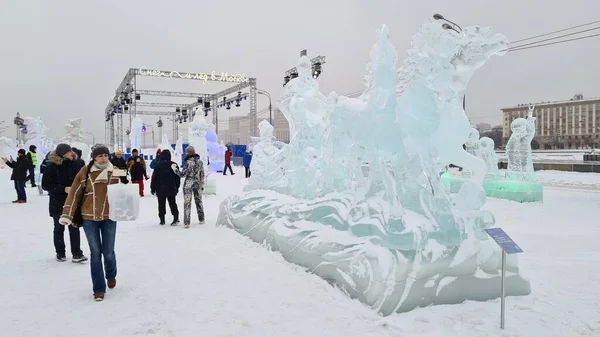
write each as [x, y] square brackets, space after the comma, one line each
[313, 61]
[127, 100]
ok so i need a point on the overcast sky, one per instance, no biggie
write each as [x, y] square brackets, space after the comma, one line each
[64, 59]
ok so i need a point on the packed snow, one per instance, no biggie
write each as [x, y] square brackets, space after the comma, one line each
[209, 281]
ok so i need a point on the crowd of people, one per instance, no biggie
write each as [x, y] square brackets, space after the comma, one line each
[78, 197]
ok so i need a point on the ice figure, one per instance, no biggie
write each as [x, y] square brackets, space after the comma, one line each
[197, 137]
[165, 144]
[266, 165]
[37, 134]
[489, 156]
[75, 137]
[135, 136]
[8, 148]
[472, 147]
[518, 149]
[216, 155]
[178, 151]
[362, 204]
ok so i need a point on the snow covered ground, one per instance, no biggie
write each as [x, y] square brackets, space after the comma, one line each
[208, 281]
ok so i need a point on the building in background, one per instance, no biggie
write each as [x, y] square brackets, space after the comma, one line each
[572, 124]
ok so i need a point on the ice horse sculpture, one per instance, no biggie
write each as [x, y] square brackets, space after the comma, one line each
[376, 221]
[75, 137]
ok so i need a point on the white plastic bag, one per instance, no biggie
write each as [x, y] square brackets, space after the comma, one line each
[123, 202]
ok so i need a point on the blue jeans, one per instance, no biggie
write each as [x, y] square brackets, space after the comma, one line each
[101, 238]
[20, 188]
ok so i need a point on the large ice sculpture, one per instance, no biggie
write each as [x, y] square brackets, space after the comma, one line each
[165, 144]
[75, 137]
[197, 137]
[362, 204]
[37, 134]
[266, 165]
[135, 135]
[489, 156]
[8, 148]
[178, 151]
[518, 149]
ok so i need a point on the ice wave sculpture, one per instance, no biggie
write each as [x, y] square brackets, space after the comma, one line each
[375, 220]
[518, 149]
[489, 156]
[197, 137]
[266, 165]
[75, 137]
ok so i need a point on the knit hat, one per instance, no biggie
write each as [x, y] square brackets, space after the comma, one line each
[99, 149]
[190, 150]
[62, 149]
[21, 151]
[77, 152]
[32, 147]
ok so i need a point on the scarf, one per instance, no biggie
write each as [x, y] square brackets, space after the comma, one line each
[103, 176]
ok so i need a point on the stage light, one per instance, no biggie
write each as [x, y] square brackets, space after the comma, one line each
[184, 112]
[207, 105]
[293, 75]
[237, 103]
[316, 69]
[143, 128]
[137, 97]
[286, 80]
[199, 100]
[228, 106]
[177, 110]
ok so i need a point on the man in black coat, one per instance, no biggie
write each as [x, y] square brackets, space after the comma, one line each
[61, 169]
[165, 184]
[20, 171]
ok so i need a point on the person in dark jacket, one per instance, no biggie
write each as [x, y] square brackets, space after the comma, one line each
[228, 155]
[63, 165]
[44, 163]
[32, 156]
[119, 162]
[247, 161]
[165, 184]
[20, 171]
[137, 168]
[79, 157]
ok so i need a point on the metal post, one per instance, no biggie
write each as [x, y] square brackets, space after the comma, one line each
[502, 293]
[270, 113]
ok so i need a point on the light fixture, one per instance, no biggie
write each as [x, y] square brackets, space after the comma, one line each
[237, 103]
[177, 110]
[228, 106]
[316, 69]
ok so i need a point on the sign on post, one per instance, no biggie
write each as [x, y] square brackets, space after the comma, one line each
[508, 247]
[504, 241]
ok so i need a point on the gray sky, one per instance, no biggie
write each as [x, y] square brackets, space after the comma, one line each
[64, 59]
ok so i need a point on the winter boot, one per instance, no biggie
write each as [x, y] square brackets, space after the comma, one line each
[112, 283]
[79, 258]
[61, 258]
[162, 220]
[175, 222]
[187, 225]
[98, 297]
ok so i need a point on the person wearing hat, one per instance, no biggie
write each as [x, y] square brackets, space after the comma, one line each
[154, 161]
[165, 184]
[32, 156]
[119, 162]
[193, 171]
[137, 170]
[62, 167]
[20, 170]
[91, 188]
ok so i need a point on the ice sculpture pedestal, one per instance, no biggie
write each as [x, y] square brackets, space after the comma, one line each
[210, 188]
[413, 274]
[520, 191]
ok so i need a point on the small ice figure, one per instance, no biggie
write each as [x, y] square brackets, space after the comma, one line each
[472, 147]
[266, 165]
[518, 149]
[489, 156]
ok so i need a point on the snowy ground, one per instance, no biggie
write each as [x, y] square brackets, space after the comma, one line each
[209, 281]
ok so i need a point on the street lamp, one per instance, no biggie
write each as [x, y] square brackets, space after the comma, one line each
[262, 92]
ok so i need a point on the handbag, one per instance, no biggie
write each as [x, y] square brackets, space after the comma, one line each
[78, 216]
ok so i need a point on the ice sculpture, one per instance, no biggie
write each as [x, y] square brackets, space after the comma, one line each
[215, 154]
[177, 157]
[266, 160]
[135, 135]
[518, 149]
[75, 137]
[382, 227]
[165, 144]
[8, 148]
[489, 156]
[197, 137]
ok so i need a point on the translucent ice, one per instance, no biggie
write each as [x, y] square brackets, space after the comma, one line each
[266, 165]
[135, 136]
[489, 156]
[518, 149]
[197, 137]
[361, 203]
[75, 137]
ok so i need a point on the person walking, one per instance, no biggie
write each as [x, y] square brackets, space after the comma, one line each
[228, 155]
[32, 156]
[247, 161]
[91, 188]
[165, 184]
[62, 167]
[20, 171]
[193, 171]
[137, 169]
